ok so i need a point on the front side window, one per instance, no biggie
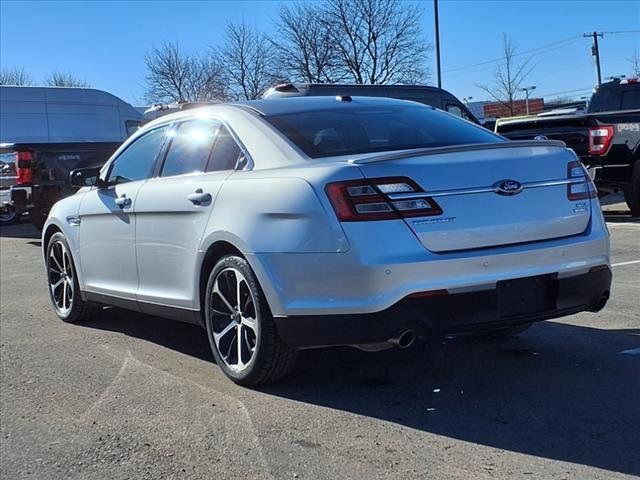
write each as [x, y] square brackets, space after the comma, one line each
[137, 161]
[226, 152]
[357, 130]
[190, 147]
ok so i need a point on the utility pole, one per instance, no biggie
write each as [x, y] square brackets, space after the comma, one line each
[435, 13]
[595, 52]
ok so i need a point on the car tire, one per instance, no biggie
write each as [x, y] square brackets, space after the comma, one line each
[8, 216]
[632, 191]
[65, 297]
[242, 334]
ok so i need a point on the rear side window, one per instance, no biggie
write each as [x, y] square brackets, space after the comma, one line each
[226, 152]
[190, 147]
[455, 110]
[631, 100]
[139, 158]
[132, 127]
[351, 129]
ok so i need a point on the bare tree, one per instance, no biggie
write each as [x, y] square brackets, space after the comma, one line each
[305, 45]
[15, 76]
[634, 61]
[249, 59]
[508, 76]
[175, 76]
[378, 41]
[65, 79]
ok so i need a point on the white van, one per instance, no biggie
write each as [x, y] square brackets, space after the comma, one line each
[61, 114]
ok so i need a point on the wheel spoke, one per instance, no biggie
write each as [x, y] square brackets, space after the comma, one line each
[64, 295]
[60, 269]
[250, 323]
[225, 330]
[246, 341]
[238, 282]
[70, 285]
[231, 344]
[54, 286]
[216, 290]
[64, 259]
[239, 344]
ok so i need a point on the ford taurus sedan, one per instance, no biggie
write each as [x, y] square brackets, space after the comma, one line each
[295, 223]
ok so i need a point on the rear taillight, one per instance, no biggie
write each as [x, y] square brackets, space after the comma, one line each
[600, 139]
[581, 186]
[380, 199]
[24, 167]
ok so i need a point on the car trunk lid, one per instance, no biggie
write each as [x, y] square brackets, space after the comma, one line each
[489, 195]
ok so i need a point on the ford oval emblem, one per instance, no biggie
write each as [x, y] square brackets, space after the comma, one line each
[540, 137]
[507, 187]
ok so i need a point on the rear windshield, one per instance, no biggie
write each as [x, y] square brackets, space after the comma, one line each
[352, 130]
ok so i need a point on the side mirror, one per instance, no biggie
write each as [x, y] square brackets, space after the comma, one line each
[84, 177]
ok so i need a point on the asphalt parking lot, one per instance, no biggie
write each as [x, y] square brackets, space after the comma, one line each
[128, 396]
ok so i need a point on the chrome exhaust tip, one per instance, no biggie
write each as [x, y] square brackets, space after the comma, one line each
[404, 340]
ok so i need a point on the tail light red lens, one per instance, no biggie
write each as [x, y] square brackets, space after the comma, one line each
[600, 139]
[373, 199]
[24, 167]
[582, 188]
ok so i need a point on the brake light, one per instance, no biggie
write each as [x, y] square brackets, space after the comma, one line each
[583, 187]
[600, 139]
[377, 199]
[24, 164]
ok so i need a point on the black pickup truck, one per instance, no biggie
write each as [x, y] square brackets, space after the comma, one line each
[42, 172]
[606, 137]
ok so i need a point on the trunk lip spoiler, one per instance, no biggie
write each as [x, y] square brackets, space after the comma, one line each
[420, 152]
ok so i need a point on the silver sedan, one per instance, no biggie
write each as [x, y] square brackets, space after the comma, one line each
[306, 222]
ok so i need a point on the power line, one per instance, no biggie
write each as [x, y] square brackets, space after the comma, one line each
[621, 31]
[577, 90]
[554, 45]
[490, 64]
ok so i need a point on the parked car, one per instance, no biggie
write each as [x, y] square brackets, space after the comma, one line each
[308, 222]
[606, 137]
[427, 95]
[52, 130]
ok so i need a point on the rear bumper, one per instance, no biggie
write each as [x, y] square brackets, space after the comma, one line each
[458, 313]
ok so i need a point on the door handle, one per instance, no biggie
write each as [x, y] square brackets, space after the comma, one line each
[198, 197]
[123, 201]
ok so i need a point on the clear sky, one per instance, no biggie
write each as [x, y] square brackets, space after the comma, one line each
[105, 42]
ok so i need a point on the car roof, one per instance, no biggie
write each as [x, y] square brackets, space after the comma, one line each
[282, 106]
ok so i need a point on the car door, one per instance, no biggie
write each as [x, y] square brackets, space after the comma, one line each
[107, 222]
[172, 211]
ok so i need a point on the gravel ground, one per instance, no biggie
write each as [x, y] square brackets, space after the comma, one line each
[128, 396]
